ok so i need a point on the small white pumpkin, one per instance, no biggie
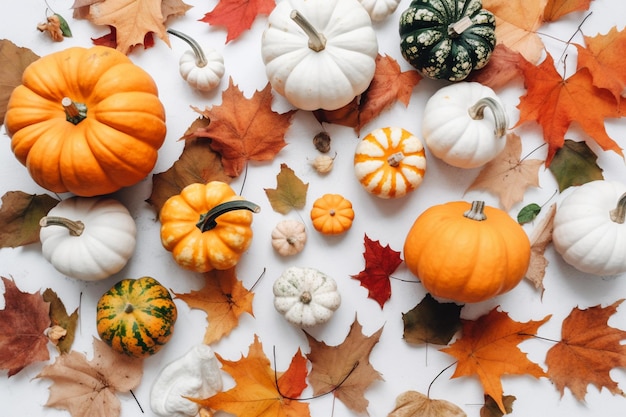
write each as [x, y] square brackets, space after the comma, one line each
[319, 54]
[589, 228]
[202, 69]
[88, 238]
[306, 296]
[289, 237]
[379, 10]
[456, 129]
[197, 374]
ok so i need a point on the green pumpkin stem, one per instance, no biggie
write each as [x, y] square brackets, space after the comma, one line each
[75, 228]
[618, 214]
[476, 212]
[317, 41]
[201, 60]
[477, 112]
[74, 112]
[208, 220]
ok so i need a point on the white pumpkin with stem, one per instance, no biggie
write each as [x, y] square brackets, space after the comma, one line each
[203, 69]
[88, 238]
[457, 129]
[289, 237]
[590, 228]
[319, 54]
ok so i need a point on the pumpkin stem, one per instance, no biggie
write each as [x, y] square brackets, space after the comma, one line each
[456, 28]
[128, 308]
[305, 297]
[74, 112]
[201, 60]
[208, 220]
[476, 212]
[618, 214]
[477, 112]
[75, 228]
[317, 41]
[395, 159]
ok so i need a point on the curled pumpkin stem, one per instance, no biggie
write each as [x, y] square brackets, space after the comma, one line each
[477, 112]
[201, 60]
[476, 212]
[618, 214]
[208, 220]
[75, 228]
[317, 41]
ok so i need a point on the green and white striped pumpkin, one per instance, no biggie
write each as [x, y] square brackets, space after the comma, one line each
[136, 317]
[447, 39]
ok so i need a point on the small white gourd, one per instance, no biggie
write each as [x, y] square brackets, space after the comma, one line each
[289, 237]
[305, 296]
[195, 375]
[202, 69]
[88, 238]
[379, 10]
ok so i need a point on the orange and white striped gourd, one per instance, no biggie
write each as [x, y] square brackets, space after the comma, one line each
[390, 162]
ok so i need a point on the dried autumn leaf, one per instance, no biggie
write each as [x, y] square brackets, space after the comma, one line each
[257, 391]
[87, 388]
[491, 409]
[13, 61]
[588, 351]
[508, 176]
[59, 317]
[556, 9]
[19, 217]
[603, 55]
[237, 15]
[554, 103]
[22, 325]
[502, 68]
[539, 241]
[575, 164]
[432, 322]
[380, 263]
[290, 191]
[488, 349]
[345, 369]
[244, 129]
[413, 404]
[223, 298]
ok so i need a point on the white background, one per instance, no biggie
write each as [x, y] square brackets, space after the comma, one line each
[403, 367]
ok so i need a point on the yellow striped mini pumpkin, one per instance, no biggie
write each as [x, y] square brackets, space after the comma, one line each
[390, 162]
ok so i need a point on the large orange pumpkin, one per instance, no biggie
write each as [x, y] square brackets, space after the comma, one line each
[467, 252]
[86, 120]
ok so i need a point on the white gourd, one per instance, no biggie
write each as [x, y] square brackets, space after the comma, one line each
[289, 237]
[379, 10]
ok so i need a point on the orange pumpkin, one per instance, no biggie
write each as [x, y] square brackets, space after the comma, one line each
[332, 214]
[467, 253]
[87, 121]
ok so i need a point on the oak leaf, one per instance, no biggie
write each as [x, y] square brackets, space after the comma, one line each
[87, 388]
[13, 61]
[290, 192]
[380, 262]
[224, 298]
[431, 321]
[539, 240]
[413, 403]
[508, 176]
[345, 369]
[488, 349]
[588, 351]
[19, 217]
[554, 103]
[23, 323]
[237, 15]
[575, 164]
[244, 129]
[59, 317]
[259, 390]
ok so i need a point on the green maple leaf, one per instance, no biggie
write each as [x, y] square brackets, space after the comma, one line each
[575, 164]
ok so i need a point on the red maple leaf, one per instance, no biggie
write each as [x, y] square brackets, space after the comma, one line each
[237, 15]
[380, 263]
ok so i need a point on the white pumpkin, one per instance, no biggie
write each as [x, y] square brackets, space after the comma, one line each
[202, 69]
[379, 10]
[88, 238]
[306, 296]
[589, 228]
[289, 237]
[319, 54]
[456, 128]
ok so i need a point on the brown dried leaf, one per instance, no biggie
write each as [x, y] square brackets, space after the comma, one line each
[539, 240]
[413, 403]
[19, 217]
[59, 317]
[13, 61]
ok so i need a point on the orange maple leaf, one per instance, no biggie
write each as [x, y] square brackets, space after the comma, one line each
[604, 57]
[503, 67]
[488, 349]
[244, 129]
[589, 349]
[555, 9]
[259, 390]
[224, 299]
[555, 103]
[237, 15]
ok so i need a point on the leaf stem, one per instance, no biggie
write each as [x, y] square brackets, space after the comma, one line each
[438, 375]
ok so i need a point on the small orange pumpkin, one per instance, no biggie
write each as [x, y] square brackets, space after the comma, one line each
[390, 162]
[467, 253]
[332, 214]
